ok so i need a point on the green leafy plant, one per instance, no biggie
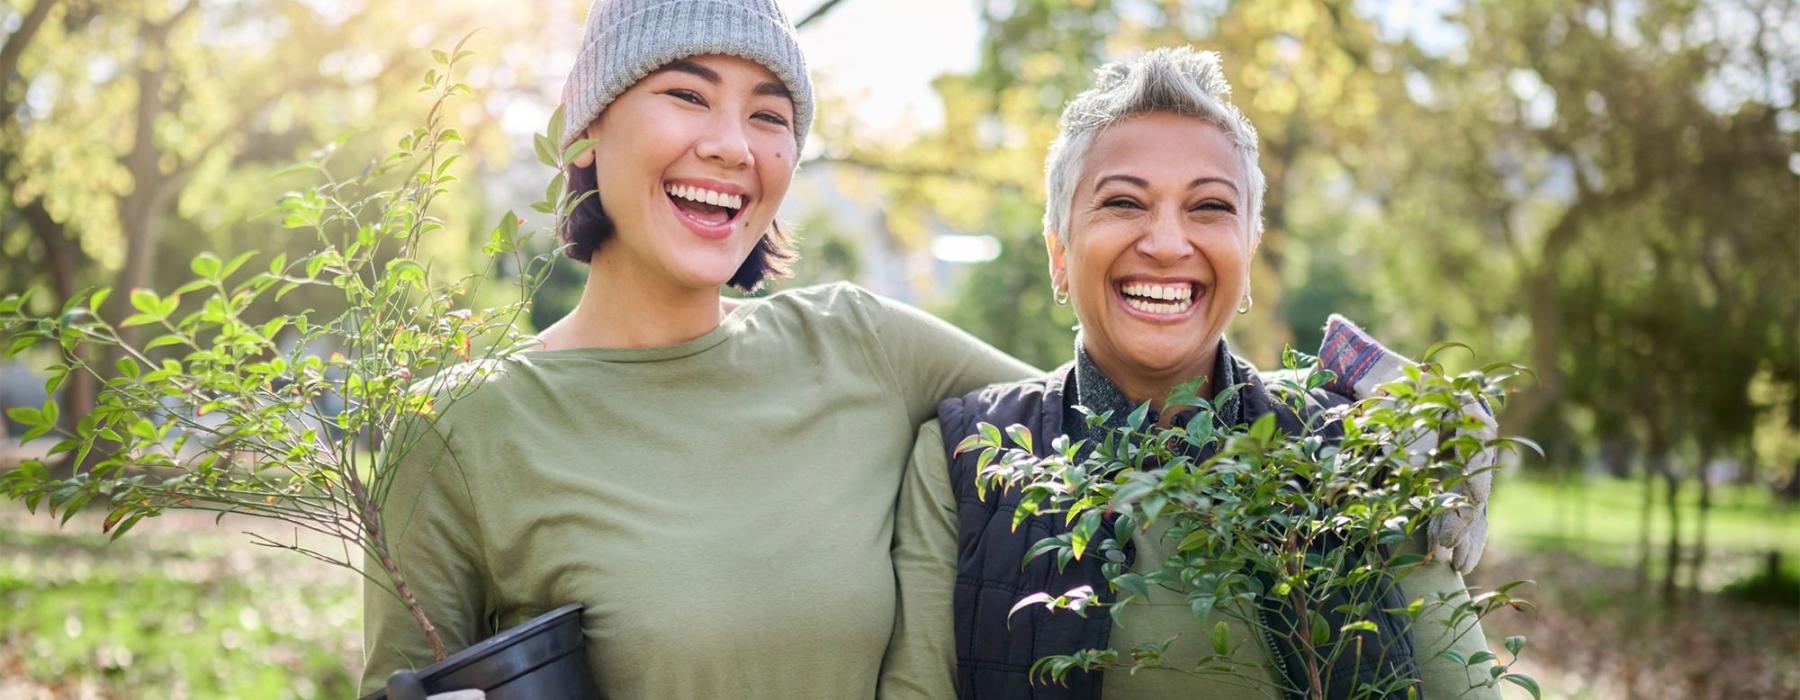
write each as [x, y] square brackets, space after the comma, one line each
[227, 411]
[1263, 521]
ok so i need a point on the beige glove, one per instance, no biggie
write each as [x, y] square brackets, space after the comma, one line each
[1361, 364]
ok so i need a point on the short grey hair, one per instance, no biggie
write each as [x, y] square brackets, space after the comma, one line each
[1177, 80]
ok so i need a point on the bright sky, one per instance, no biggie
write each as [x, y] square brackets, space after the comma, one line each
[881, 55]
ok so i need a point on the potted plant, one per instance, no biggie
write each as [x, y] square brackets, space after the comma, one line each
[1266, 527]
[224, 410]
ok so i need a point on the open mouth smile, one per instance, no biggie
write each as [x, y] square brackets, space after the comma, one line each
[706, 211]
[1158, 300]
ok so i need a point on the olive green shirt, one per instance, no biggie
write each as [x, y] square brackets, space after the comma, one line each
[724, 507]
[921, 660]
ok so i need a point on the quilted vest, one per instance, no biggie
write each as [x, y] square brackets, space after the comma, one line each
[994, 654]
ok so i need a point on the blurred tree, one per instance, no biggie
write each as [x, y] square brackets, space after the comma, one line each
[123, 123]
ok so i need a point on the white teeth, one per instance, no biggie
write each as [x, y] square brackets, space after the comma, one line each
[1155, 308]
[705, 196]
[1180, 292]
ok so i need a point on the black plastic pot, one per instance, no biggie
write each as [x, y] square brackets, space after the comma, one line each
[543, 659]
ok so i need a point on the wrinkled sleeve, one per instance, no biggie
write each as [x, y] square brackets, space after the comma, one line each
[932, 360]
[429, 520]
[1443, 677]
[921, 656]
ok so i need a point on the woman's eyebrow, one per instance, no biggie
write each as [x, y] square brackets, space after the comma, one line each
[712, 76]
[694, 69]
[774, 89]
[1203, 180]
[1127, 179]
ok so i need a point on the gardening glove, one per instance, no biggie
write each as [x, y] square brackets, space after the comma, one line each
[1362, 364]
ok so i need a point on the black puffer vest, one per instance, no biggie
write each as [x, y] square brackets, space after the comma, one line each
[994, 655]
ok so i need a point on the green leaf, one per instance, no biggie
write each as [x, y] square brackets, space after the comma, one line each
[575, 149]
[554, 129]
[144, 300]
[1221, 639]
[1321, 631]
[20, 343]
[989, 433]
[1515, 644]
[1263, 430]
[98, 300]
[406, 270]
[1358, 626]
[315, 264]
[205, 265]
[1481, 657]
[546, 152]
[236, 263]
[1523, 681]
[1137, 417]
[26, 415]
[1021, 436]
[164, 341]
[129, 368]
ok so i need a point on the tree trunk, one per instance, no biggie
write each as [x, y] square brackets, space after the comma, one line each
[1672, 478]
[1644, 520]
[1616, 454]
[1699, 561]
[1790, 491]
[60, 256]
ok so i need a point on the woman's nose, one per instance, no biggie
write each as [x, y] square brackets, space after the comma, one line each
[726, 143]
[1165, 240]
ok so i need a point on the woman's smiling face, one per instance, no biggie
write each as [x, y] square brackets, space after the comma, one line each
[692, 163]
[1157, 258]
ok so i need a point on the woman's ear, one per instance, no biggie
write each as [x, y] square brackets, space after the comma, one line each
[586, 159]
[1059, 272]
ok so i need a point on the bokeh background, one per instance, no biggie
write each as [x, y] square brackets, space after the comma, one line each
[1607, 191]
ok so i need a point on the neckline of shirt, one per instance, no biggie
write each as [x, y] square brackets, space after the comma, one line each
[729, 326]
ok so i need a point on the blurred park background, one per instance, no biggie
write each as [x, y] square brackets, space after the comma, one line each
[1607, 191]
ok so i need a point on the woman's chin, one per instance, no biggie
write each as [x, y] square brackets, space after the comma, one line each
[1173, 357]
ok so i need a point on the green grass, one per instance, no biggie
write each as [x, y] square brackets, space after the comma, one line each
[1601, 519]
[183, 610]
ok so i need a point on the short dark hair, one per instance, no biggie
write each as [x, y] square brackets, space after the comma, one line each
[588, 227]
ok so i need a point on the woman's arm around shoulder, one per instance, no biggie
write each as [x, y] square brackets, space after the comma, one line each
[921, 655]
[930, 359]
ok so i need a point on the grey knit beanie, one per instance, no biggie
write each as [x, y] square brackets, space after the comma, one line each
[628, 39]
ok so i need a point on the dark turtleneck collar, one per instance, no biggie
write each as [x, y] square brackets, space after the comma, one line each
[1100, 395]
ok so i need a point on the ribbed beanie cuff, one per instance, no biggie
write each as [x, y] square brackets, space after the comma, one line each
[628, 39]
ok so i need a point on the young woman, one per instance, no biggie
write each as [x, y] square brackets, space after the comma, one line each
[714, 478]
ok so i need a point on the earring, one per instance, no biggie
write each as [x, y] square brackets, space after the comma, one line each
[1061, 296]
[1244, 306]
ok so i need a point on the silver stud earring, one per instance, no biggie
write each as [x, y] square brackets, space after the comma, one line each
[1244, 306]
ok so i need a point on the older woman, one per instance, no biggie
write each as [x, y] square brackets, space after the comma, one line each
[1154, 213]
